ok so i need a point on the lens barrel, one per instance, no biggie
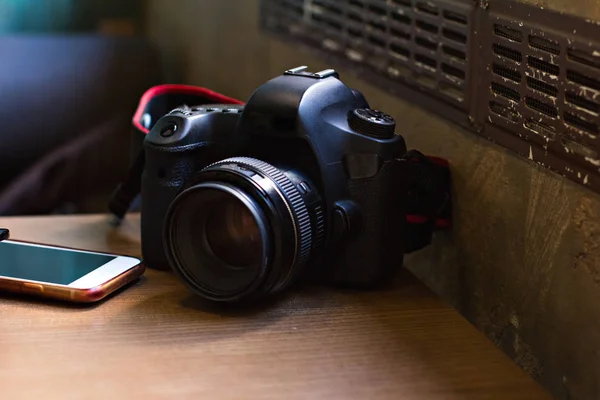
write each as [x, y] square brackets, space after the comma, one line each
[241, 228]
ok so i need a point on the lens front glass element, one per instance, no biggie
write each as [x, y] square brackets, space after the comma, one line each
[218, 239]
[232, 234]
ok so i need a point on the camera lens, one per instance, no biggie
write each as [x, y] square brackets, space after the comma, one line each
[241, 228]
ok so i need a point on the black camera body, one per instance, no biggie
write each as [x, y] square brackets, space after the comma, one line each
[305, 179]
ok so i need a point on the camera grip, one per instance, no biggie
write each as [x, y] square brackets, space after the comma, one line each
[373, 254]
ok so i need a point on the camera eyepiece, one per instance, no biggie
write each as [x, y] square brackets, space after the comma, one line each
[241, 228]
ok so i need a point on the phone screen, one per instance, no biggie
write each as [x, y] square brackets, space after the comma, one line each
[47, 264]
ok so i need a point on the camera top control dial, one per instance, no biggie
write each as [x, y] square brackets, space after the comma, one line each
[372, 123]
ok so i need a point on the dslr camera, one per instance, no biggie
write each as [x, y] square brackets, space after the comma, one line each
[302, 182]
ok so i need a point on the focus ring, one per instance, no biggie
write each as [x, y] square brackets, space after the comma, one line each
[292, 197]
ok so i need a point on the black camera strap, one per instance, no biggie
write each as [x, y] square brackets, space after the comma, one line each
[128, 190]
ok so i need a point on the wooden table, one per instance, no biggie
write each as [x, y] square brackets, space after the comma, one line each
[155, 340]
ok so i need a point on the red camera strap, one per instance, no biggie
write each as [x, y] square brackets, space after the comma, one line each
[429, 206]
[161, 99]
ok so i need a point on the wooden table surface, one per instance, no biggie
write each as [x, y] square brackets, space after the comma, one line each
[156, 340]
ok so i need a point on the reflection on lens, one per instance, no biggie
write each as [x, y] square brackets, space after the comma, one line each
[233, 235]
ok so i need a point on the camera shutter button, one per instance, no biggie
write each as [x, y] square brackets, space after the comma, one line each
[372, 123]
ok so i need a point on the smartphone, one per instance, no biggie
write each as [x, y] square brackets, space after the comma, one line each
[62, 273]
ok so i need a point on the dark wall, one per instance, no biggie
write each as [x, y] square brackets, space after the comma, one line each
[523, 260]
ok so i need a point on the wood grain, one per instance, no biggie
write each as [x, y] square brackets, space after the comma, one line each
[155, 340]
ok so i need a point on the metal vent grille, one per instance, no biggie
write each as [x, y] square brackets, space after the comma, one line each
[544, 87]
[423, 44]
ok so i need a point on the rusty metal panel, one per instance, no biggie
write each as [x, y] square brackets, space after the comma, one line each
[540, 84]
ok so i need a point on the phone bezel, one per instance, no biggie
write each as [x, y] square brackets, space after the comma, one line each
[98, 277]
